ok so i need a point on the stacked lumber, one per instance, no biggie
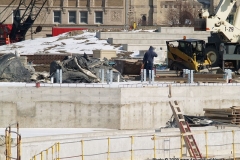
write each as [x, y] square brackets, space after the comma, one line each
[225, 115]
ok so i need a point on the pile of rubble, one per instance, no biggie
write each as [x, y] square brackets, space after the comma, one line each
[75, 69]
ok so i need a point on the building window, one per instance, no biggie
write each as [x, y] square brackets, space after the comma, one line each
[99, 17]
[165, 6]
[57, 16]
[84, 17]
[175, 6]
[72, 17]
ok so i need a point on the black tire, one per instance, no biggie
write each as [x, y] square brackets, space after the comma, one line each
[178, 68]
[213, 55]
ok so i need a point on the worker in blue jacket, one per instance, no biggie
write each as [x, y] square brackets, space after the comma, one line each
[148, 59]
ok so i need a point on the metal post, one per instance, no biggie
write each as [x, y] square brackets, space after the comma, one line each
[31, 33]
[233, 145]
[181, 147]
[118, 77]
[149, 76]
[102, 77]
[206, 142]
[144, 74]
[20, 141]
[47, 154]
[57, 76]
[56, 149]
[141, 75]
[6, 141]
[52, 79]
[58, 146]
[107, 76]
[153, 74]
[82, 142]
[9, 143]
[108, 148]
[229, 74]
[52, 152]
[184, 73]
[132, 141]
[226, 75]
[60, 76]
[191, 76]
[111, 76]
[99, 74]
[41, 155]
[154, 147]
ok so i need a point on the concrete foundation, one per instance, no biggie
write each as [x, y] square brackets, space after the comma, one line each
[116, 106]
[134, 41]
[104, 54]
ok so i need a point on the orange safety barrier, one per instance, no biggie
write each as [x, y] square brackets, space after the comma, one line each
[7, 40]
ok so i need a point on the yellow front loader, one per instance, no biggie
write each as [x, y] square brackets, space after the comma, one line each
[187, 54]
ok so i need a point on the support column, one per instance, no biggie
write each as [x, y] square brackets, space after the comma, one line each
[126, 12]
[64, 4]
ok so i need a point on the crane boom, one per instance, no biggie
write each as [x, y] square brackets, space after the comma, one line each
[21, 24]
[218, 23]
[224, 9]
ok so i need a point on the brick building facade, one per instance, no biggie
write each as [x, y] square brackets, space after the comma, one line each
[74, 12]
[104, 12]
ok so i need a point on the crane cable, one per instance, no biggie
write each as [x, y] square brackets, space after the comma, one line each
[46, 13]
[6, 9]
[43, 18]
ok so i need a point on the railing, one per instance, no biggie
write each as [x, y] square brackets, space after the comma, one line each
[144, 145]
[115, 85]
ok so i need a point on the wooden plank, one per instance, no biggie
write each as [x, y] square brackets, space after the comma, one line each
[207, 114]
[220, 76]
[222, 120]
[206, 80]
[235, 107]
[223, 113]
[217, 109]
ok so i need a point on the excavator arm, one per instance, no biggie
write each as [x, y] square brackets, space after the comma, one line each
[218, 23]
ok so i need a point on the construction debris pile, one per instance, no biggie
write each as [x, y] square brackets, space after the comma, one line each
[196, 121]
[83, 69]
[12, 69]
[75, 69]
[224, 115]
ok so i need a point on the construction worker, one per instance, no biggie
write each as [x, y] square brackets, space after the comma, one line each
[148, 59]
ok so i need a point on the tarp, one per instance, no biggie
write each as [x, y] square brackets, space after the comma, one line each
[12, 70]
[82, 69]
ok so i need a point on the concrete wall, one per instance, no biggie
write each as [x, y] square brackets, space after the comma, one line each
[122, 107]
[167, 144]
[134, 41]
